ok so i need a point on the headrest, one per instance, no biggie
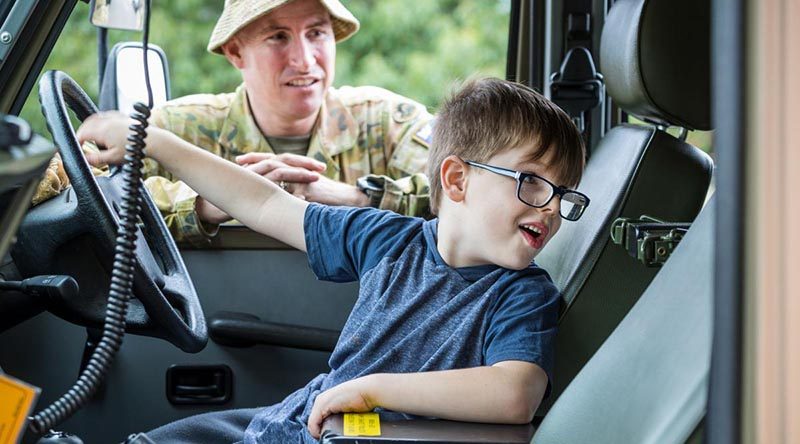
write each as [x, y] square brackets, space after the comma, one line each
[656, 60]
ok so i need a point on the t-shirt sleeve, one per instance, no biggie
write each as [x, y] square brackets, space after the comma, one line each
[343, 243]
[522, 323]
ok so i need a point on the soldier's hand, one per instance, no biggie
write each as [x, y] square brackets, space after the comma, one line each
[284, 173]
[263, 163]
[287, 170]
[329, 192]
[109, 130]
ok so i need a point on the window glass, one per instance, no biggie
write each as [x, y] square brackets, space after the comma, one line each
[701, 139]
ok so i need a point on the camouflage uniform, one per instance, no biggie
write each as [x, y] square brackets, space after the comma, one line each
[361, 131]
[53, 182]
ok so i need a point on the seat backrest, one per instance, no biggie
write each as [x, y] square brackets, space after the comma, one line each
[635, 170]
[648, 382]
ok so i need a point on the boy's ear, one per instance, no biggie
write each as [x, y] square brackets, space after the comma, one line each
[454, 178]
[233, 52]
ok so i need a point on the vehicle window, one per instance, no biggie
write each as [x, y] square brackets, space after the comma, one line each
[701, 139]
[417, 48]
[5, 6]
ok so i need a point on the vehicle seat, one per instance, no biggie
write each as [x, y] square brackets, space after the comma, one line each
[661, 76]
[649, 381]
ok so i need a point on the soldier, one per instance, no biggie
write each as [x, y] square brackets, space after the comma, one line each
[357, 146]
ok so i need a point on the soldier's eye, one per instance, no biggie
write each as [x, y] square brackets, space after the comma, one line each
[277, 37]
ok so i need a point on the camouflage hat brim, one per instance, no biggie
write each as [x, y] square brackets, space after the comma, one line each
[239, 13]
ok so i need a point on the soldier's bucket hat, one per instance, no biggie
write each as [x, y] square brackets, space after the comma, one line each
[239, 13]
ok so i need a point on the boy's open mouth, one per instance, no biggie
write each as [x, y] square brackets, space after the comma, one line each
[534, 234]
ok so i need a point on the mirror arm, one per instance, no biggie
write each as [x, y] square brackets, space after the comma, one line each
[102, 55]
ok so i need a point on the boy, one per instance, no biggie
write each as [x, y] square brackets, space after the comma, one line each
[453, 319]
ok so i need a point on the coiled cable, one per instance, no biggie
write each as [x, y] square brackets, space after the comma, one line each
[121, 285]
[122, 271]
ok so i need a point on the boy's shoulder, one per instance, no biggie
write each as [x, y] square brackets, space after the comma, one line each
[533, 281]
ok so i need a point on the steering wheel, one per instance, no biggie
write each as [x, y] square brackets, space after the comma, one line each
[165, 304]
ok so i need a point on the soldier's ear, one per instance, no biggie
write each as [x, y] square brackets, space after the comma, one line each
[233, 52]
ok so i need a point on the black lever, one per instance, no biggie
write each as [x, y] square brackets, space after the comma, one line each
[48, 286]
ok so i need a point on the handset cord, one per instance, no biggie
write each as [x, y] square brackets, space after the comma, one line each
[122, 272]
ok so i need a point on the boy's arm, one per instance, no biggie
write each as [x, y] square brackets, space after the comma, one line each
[248, 197]
[508, 392]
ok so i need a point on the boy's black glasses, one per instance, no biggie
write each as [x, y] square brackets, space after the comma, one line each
[536, 191]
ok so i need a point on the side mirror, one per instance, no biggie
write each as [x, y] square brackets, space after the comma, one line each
[118, 14]
[124, 82]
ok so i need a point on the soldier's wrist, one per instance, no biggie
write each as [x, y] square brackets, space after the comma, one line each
[372, 189]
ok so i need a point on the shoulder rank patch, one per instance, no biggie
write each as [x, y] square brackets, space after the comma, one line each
[424, 135]
[404, 112]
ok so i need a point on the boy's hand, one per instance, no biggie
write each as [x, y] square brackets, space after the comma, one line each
[108, 130]
[356, 395]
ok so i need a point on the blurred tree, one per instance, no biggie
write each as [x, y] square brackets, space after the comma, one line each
[417, 48]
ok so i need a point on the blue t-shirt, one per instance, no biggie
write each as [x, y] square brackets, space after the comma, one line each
[414, 312]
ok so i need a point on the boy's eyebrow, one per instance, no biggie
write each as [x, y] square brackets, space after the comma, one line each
[538, 166]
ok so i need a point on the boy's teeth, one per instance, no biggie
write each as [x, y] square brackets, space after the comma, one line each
[301, 82]
[532, 228]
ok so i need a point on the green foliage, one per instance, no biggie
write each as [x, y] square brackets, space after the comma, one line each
[417, 48]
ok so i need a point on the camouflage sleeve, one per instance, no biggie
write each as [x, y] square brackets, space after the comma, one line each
[176, 202]
[53, 181]
[175, 199]
[409, 195]
[406, 187]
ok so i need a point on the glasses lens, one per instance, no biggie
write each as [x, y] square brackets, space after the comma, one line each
[572, 205]
[535, 191]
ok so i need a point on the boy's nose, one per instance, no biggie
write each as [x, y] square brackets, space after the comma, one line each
[554, 206]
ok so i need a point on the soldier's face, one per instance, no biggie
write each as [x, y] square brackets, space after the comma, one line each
[287, 59]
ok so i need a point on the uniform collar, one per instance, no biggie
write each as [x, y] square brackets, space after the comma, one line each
[334, 132]
[239, 132]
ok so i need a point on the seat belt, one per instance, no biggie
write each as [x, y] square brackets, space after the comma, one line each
[577, 87]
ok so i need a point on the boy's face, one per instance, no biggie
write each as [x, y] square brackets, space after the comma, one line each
[509, 233]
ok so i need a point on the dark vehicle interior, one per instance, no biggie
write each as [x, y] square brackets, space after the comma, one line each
[223, 327]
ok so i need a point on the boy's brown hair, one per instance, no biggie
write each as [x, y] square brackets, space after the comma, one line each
[488, 116]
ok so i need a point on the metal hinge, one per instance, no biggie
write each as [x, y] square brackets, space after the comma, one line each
[648, 239]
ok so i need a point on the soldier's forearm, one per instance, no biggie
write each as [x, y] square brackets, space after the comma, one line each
[207, 212]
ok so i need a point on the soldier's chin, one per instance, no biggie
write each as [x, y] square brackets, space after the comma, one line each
[305, 107]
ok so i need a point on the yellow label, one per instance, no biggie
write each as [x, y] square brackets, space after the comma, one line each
[16, 402]
[362, 424]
